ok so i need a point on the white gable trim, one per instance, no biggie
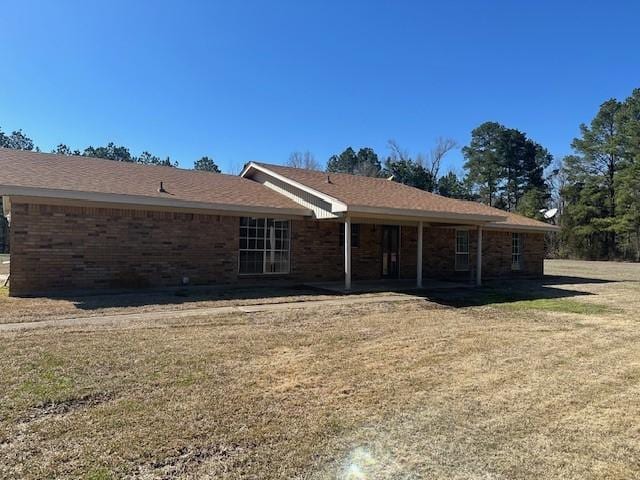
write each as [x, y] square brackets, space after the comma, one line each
[336, 205]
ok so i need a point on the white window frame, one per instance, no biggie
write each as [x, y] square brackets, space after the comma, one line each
[265, 251]
[459, 267]
[516, 251]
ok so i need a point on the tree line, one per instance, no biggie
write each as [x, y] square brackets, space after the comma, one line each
[599, 185]
[20, 141]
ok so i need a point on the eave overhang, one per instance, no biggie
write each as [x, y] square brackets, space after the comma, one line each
[145, 201]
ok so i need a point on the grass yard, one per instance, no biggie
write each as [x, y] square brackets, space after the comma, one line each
[522, 381]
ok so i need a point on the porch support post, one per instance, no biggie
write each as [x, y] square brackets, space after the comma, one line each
[419, 256]
[347, 253]
[479, 258]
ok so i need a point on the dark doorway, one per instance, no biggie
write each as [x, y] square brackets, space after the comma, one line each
[390, 251]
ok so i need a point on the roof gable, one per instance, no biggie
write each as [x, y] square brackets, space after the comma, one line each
[352, 193]
[367, 195]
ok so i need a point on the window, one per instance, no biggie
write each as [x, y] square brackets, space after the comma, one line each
[355, 234]
[264, 245]
[516, 251]
[462, 249]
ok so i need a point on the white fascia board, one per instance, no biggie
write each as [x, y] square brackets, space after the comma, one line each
[523, 228]
[425, 214]
[336, 205]
[140, 200]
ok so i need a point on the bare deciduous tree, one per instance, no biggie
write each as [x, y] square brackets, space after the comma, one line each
[436, 155]
[304, 160]
[397, 153]
[430, 163]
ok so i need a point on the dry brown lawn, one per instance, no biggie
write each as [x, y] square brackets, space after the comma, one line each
[542, 381]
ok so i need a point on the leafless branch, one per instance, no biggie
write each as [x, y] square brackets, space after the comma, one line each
[304, 160]
[443, 147]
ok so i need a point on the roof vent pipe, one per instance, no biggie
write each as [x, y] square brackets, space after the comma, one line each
[328, 178]
[161, 189]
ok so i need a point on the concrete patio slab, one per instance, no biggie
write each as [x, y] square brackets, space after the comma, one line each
[388, 286]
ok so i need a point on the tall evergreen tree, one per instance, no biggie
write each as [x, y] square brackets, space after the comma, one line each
[410, 173]
[628, 181]
[17, 140]
[503, 165]
[450, 185]
[365, 162]
[109, 152]
[206, 164]
[483, 163]
[600, 156]
[63, 149]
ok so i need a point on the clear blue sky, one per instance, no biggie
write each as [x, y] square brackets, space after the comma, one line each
[255, 80]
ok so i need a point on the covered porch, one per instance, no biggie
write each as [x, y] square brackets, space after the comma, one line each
[402, 256]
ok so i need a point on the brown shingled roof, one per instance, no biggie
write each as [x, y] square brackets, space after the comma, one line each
[514, 221]
[358, 191]
[66, 174]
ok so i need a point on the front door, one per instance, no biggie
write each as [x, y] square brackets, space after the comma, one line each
[390, 251]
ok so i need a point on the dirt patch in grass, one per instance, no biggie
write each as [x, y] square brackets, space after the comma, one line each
[65, 406]
[362, 391]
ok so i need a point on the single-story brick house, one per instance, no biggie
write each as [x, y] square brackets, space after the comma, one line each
[80, 223]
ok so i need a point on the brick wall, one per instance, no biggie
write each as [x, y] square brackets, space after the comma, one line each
[497, 254]
[316, 253]
[439, 254]
[61, 248]
[409, 251]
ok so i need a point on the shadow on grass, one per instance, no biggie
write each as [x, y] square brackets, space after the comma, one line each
[569, 280]
[537, 293]
[495, 292]
[185, 296]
